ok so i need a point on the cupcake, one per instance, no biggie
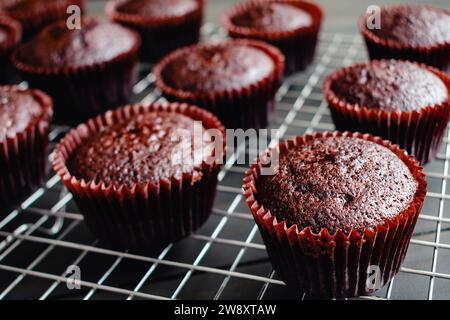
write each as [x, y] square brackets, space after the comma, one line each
[402, 101]
[291, 25]
[10, 35]
[337, 212]
[25, 117]
[137, 177]
[236, 80]
[410, 32]
[85, 71]
[163, 25]
[36, 14]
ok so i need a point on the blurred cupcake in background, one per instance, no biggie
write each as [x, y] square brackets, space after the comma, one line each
[86, 71]
[163, 25]
[34, 15]
[291, 25]
[10, 36]
[410, 32]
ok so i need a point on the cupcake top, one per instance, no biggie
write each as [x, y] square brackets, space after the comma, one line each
[272, 16]
[18, 108]
[158, 8]
[390, 85]
[145, 148]
[337, 183]
[96, 42]
[217, 68]
[414, 25]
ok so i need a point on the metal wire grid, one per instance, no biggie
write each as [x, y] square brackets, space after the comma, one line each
[226, 258]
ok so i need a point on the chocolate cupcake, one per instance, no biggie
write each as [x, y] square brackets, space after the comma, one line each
[337, 208]
[85, 71]
[137, 177]
[410, 32]
[291, 25]
[404, 102]
[36, 14]
[236, 80]
[10, 35]
[163, 25]
[25, 117]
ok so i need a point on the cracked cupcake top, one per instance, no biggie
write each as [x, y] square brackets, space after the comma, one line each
[337, 183]
[146, 148]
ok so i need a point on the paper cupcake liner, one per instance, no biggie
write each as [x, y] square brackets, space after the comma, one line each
[160, 35]
[143, 217]
[420, 132]
[437, 55]
[7, 73]
[246, 107]
[336, 265]
[298, 46]
[33, 21]
[23, 157]
[80, 93]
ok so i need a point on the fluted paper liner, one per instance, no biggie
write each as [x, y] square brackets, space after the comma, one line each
[246, 107]
[33, 21]
[163, 34]
[14, 35]
[420, 132]
[336, 265]
[141, 217]
[23, 156]
[298, 45]
[437, 55]
[81, 92]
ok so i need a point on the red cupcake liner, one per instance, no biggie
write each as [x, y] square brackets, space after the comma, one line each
[246, 107]
[336, 265]
[437, 55]
[33, 21]
[160, 35]
[80, 93]
[142, 217]
[23, 157]
[420, 132]
[298, 46]
[14, 30]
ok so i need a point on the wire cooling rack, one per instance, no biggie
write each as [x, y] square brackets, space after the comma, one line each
[44, 240]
